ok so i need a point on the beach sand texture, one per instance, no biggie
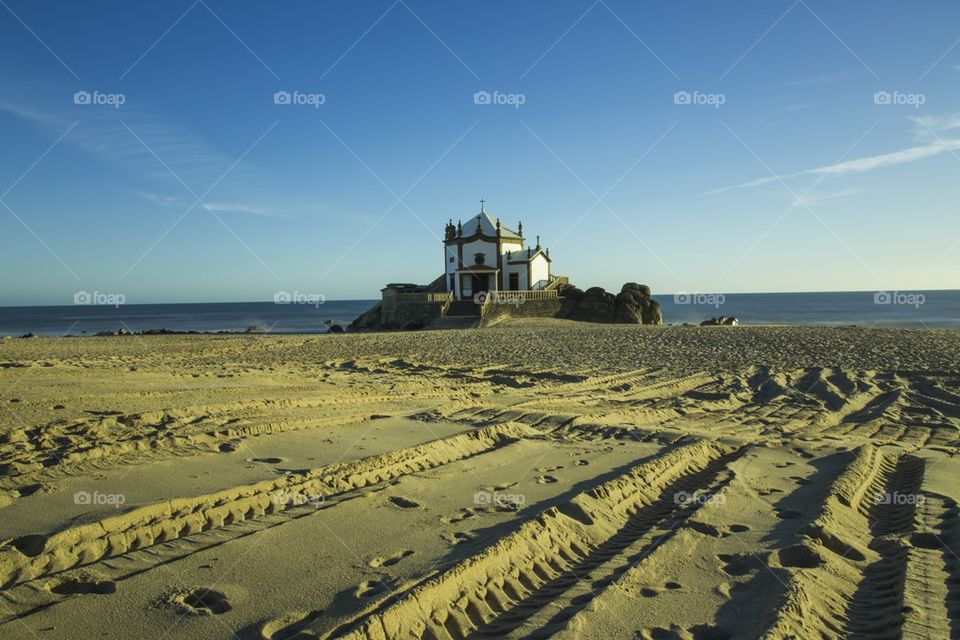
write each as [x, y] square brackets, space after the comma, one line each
[537, 479]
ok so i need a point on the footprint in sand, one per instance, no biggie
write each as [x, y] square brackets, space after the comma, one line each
[373, 588]
[704, 528]
[738, 528]
[788, 514]
[459, 516]
[498, 487]
[389, 561]
[80, 583]
[288, 625]
[735, 565]
[549, 469]
[458, 537]
[546, 480]
[580, 463]
[198, 601]
[266, 460]
[403, 503]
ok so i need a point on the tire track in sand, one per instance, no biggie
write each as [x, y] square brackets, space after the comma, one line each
[33, 556]
[496, 590]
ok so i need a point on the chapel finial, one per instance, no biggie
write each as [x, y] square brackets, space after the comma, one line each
[482, 202]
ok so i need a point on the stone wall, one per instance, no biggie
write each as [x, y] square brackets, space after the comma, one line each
[496, 312]
[396, 312]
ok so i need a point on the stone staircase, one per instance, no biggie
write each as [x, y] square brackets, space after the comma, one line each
[464, 308]
[462, 314]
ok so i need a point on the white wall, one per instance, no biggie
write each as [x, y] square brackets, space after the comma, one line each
[511, 247]
[488, 249]
[539, 269]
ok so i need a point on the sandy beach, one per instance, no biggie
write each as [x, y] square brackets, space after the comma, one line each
[535, 479]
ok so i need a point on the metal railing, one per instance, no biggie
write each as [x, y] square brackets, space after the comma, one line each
[420, 296]
[519, 297]
[446, 304]
[557, 281]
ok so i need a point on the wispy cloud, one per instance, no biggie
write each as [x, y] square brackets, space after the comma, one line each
[215, 207]
[233, 207]
[808, 200]
[100, 131]
[934, 146]
[929, 127]
[163, 201]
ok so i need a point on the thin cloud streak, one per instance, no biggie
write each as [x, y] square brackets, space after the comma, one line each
[858, 165]
[101, 134]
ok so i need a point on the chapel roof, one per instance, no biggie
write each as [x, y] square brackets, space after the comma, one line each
[488, 226]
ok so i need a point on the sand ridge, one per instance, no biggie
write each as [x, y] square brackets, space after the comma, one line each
[556, 481]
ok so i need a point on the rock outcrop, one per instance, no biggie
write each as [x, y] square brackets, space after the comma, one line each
[728, 321]
[633, 305]
[369, 320]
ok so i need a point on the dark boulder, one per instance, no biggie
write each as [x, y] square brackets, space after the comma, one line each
[651, 312]
[335, 328]
[633, 305]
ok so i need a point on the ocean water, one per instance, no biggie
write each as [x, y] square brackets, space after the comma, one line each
[905, 309]
[915, 309]
[220, 316]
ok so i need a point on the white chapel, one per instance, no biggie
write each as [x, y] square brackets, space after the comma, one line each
[483, 254]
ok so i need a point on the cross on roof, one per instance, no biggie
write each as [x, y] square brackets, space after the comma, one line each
[482, 202]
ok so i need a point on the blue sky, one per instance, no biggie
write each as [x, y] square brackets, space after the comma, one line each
[782, 172]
